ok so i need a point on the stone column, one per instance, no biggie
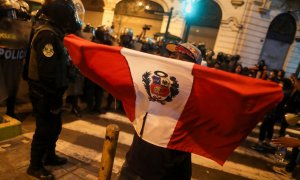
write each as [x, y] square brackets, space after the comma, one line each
[177, 24]
[108, 16]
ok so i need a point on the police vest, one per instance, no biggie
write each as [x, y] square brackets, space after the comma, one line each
[33, 73]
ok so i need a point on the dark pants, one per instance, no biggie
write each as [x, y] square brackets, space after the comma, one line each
[48, 127]
[293, 160]
[150, 162]
[93, 94]
[10, 106]
[283, 127]
[266, 128]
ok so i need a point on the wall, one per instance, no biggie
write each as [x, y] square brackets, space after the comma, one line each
[203, 34]
[93, 17]
[255, 28]
[136, 24]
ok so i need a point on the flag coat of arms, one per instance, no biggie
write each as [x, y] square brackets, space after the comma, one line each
[175, 104]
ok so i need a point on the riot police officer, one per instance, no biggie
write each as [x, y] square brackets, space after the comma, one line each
[94, 93]
[49, 75]
[13, 45]
[126, 38]
[103, 35]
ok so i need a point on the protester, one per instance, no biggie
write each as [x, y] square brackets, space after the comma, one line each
[275, 115]
[148, 161]
[171, 104]
[238, 69]
[292, 106]
[292, 162]
[48, 78]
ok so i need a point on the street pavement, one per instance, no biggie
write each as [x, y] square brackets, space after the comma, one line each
[81, 141]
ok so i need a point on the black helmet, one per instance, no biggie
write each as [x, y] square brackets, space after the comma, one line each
[103, 34]
[63, 14]
[148, 45]
[7, 9]
[126, 37]
[23, 10]
[88, 28]
[88, 32]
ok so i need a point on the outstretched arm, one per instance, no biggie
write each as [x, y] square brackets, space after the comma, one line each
[287, 142]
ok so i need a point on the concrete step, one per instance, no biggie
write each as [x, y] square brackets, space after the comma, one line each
[9, 127]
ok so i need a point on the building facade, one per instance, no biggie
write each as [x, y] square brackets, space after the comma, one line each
[254, 29]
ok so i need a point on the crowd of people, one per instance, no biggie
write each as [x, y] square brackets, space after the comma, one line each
[51, 76]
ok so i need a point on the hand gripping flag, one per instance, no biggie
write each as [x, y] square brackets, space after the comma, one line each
[175, 104]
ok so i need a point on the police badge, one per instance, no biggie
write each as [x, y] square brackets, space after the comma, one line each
[160, 87]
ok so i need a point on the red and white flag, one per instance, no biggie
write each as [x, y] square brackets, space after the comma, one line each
[176, 104]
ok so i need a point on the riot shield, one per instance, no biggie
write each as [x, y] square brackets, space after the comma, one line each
[14, 34]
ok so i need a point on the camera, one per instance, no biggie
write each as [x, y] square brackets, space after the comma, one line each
[147, 27]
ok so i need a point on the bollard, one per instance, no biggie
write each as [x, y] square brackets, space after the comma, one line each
[108, 152]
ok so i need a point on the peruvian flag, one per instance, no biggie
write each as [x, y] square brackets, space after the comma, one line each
[176, 104]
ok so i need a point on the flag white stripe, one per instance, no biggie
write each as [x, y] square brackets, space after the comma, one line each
[157, 113]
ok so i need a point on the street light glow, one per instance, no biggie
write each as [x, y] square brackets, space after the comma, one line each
[140, 3]
[188, 7]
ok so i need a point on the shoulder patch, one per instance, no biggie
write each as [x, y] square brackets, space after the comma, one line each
[48, 50]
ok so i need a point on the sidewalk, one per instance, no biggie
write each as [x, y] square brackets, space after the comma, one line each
[15, 155]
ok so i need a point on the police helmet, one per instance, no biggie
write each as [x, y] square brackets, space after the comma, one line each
[103, 34]
[127, 31]
[63, 14]
[126, 37]
[23, 10]
[88, 32]
[148, 45]
[88, 28]
[7, 9]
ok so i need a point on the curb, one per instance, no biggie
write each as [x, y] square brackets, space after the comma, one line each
[9, 127]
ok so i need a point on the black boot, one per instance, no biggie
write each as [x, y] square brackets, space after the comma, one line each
[55, 160]
[40, 173]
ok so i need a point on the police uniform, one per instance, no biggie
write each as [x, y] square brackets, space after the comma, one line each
[48, 77]
[48, 80]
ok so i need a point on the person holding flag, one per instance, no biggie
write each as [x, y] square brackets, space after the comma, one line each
[147, 161]
[171, 104]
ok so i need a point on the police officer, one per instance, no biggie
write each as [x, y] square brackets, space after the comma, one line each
[103, 35]
[48, 79]
[126, 38]
[13, 44]
[94, 93]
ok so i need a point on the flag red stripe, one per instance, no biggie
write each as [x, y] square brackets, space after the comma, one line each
[107, 68]
[228, 107]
